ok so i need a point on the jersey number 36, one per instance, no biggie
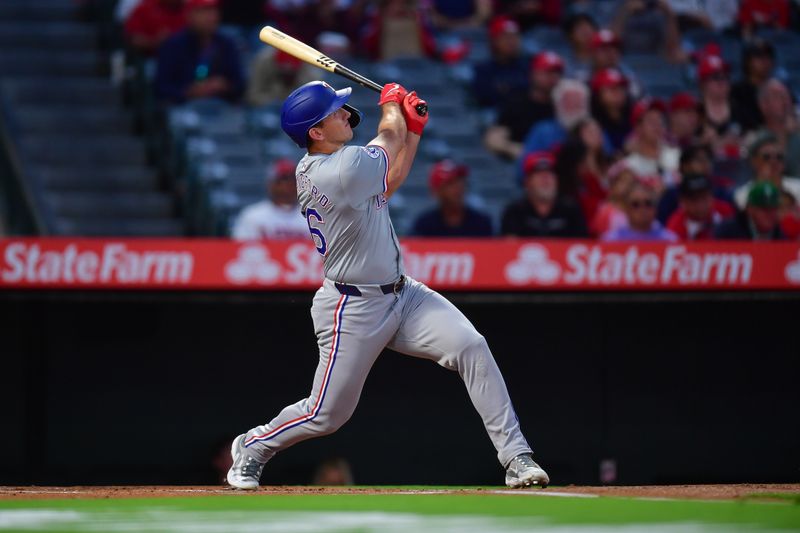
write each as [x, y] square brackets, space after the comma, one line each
[316, 233]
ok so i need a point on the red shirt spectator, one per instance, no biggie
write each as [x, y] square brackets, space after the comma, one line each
[766, 13]
[699, 212]
[153, 21]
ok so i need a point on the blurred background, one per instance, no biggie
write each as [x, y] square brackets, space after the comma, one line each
[613, 121]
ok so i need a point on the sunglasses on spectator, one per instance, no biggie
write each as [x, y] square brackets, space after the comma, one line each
[638, 204]
[770, 156]
[718, 77]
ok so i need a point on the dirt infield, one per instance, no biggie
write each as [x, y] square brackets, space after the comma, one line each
[702, 492]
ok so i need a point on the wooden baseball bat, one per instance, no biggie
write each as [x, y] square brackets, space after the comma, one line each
[304, 52]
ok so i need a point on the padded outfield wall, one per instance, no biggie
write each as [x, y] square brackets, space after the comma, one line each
[143, 387]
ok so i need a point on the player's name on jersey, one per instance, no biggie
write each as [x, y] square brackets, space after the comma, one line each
[321, 199]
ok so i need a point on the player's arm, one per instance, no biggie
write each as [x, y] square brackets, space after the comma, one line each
[392, 127]
[365, 171]
[415, 124]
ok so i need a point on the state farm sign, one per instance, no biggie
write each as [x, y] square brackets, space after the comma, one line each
[455, 264]
[586, 264]
[111, 263]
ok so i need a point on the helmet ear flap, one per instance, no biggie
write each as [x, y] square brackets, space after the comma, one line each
[355, 115]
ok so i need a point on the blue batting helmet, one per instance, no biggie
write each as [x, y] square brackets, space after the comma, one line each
[309, 104]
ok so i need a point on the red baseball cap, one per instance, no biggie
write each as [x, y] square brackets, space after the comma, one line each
[682, 101]
[444, 172]
[547, 61]
[538, 161]
[710, 66]
[283, 168]
[196, 4]
[643, 106]
[605, 37]
[502, 24]
[608, 77]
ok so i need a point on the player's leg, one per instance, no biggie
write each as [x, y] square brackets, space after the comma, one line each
[351, 333]
[433, 328]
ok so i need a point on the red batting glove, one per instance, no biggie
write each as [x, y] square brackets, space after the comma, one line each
[393, 92]
[414, 122]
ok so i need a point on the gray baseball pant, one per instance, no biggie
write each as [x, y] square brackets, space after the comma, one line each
[351, 333]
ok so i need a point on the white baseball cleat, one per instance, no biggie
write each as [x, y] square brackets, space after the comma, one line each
[246, 470]
[523, 471]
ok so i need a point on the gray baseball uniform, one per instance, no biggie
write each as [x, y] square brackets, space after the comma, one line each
[360, 309]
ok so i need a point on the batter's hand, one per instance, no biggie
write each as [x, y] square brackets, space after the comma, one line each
[414, 122]
[393, 92]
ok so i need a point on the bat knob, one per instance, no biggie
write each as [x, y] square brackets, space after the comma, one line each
[422, 109]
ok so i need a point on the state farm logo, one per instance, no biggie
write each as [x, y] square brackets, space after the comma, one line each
[792, 271]
[439, 267]
[112, 263]
[533, 264]
[253, 264]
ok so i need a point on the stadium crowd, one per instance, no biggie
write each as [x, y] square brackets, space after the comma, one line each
[596, 155]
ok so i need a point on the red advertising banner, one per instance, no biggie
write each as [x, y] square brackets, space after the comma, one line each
[452, 264]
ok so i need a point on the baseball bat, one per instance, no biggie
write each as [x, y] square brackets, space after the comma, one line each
[304, 52]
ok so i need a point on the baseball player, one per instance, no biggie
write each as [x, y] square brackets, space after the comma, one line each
[366, 302]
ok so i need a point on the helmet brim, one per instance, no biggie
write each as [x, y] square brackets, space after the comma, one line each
[342, 97]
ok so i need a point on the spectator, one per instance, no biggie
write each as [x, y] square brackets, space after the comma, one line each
[758, 221]
[529, 14]
[541, 212]
[610, 215]
[571, 103]
[307, 19]
[520, 112]
[686, 126]
[699, 212]
[452, 217]
[695, 159]
[789, 216]
[276, 218]
[397, 29]
[456, 14]
[579, 29]
[199, 62]
[780, 119]
[152, 22]
[648, 27]
[275, 73]
[716, 108]
[767, 161]
[581, 165]
[605, 53]
[758, 64]
[506, 73]
[640, 213]
[611, 105]
[772, 14]
[651, 157]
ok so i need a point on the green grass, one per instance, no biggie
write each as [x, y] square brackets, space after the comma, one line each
[394, 512]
